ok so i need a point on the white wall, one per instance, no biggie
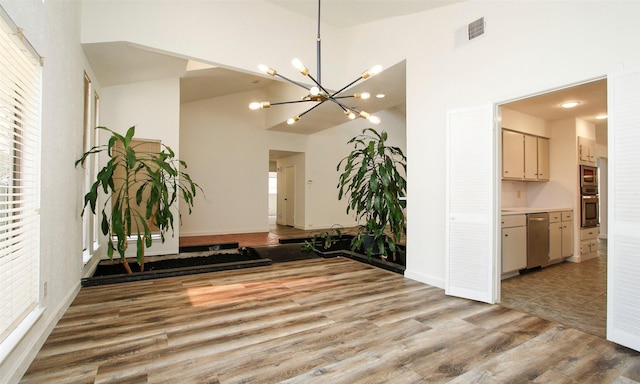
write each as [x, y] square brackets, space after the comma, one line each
[521, 122]
[325, 151]
[154, 108]
[53, 28]
[227, 153]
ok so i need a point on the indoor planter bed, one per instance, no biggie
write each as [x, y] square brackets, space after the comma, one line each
[192, 260]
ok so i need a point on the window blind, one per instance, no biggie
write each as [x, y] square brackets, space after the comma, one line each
[20, 110]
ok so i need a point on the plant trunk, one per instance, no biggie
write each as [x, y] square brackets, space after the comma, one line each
[126, 265]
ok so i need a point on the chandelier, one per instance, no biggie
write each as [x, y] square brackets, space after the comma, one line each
[318, 94]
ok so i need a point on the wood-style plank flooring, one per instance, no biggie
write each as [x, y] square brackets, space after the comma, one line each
[313, 321]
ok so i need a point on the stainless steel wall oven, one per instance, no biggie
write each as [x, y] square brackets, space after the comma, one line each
[589, 211]
[589, 201]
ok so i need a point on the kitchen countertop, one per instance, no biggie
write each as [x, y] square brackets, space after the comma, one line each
[525, 210]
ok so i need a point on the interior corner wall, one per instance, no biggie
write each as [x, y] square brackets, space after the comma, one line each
[326, 149]
[154, 108]
[226, 149]
[53, 28]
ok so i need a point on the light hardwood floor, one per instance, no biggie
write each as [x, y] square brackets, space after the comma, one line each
[313, 321]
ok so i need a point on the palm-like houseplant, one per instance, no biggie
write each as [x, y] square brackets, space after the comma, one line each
[141, 189]
[373, 181]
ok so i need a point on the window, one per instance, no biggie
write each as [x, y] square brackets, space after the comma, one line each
[89, 224]
[20, 94]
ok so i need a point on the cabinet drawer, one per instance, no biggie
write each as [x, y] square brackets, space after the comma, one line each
[554, 217]
[567, 215]
[588, 233]
[514, 221]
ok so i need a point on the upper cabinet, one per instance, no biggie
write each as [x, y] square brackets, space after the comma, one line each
[586, 150]
[524, 157]
[543, 158]
[512, 155]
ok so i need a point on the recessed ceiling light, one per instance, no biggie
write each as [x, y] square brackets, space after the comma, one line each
[381, 95]
[570, 104]
[601, 117]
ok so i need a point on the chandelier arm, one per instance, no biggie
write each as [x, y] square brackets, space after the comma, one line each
[344, 107]
[311, 109]
[293, 82]
[347, 86]
[291, 102]
[318, 48]
[318, 84]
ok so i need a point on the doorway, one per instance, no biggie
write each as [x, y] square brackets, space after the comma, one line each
[559, 291]
[289, 197]
[289, 193]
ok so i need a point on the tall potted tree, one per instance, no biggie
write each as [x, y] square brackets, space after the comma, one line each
[141, 188]
[373, 181]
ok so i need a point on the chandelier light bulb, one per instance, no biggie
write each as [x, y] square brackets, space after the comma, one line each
[364, 115]
[315, 91]
[292, 120]
[372, 71]
[259, 105]
[374, 119]
[352, 115]
[297, 64]
[363, 95]
[265, 69]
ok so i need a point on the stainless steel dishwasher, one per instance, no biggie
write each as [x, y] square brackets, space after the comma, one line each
[537, 239]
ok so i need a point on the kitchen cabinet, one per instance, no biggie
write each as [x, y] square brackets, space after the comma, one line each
[588, 243]
[567, 233]
[524, 157]
[587, 150]
[512, 155]
[560, 235]
[543, 158]
[514, 243]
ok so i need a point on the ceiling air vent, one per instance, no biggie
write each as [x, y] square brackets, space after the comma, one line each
[476, 28]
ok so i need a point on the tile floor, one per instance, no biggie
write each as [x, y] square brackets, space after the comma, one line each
[574, 294]
[569, 293]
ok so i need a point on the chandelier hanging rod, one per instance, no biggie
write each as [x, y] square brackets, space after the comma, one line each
[319, 93]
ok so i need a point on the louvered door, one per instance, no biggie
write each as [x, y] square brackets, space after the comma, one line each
[471, 205]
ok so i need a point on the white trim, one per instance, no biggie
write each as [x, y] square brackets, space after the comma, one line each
[15, 337]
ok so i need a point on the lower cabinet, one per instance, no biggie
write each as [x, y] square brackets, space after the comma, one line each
[588, 243]
[560, 235]
[514, 243]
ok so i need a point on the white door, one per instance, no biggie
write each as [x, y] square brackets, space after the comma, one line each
[623, 263]
[471, 235]
[289, 195]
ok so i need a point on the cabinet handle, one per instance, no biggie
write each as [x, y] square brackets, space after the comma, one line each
[506, 235]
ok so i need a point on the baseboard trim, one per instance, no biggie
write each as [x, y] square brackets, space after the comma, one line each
[426, 279]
